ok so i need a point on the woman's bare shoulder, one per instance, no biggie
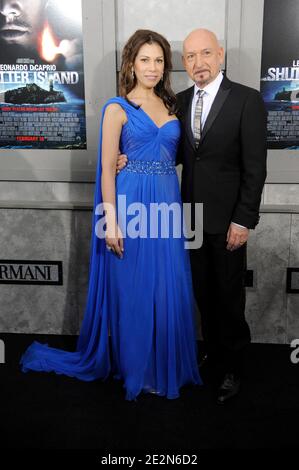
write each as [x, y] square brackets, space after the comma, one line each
[115, 111]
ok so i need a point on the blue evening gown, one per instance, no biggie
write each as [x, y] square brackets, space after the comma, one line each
[145, 300]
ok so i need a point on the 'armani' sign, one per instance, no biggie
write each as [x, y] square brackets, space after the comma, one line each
[31, 272]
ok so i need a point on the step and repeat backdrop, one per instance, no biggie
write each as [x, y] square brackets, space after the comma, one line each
[59, 63]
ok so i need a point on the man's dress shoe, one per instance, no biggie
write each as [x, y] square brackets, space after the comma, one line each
[228, 389]
[203, 360]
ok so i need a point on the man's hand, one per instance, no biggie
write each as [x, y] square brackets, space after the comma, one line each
[236, 236]
[121, 162]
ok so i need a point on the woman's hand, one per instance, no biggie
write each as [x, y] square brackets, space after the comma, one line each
[114, 240]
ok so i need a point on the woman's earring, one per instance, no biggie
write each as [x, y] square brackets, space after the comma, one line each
[133, 74]
[162, 77]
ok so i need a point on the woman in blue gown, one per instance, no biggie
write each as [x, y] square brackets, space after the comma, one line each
[140, 288]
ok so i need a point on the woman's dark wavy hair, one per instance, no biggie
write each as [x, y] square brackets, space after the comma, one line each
[130, 51]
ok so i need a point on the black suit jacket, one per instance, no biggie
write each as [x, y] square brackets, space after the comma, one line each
[227, 171]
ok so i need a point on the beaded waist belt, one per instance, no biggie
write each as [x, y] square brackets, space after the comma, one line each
[149, 167]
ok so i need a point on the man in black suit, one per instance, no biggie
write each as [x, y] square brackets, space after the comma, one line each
[223, 152]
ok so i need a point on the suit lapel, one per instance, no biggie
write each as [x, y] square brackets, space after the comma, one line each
[188, 120]
[218, 102]
[185, 114]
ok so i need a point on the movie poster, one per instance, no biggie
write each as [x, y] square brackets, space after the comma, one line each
[42, 101]
[280, 72]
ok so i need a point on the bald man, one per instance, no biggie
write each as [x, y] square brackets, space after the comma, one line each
[223, 152]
